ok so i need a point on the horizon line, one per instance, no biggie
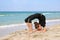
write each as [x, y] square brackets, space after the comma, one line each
[34, 11]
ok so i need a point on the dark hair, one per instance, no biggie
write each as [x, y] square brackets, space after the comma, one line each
[36, 25]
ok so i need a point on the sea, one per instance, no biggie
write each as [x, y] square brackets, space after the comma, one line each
[7, 18]
[11, 21]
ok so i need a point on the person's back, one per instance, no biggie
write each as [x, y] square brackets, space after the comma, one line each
[36, 15]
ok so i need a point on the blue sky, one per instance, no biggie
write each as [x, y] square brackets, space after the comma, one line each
[29, 5]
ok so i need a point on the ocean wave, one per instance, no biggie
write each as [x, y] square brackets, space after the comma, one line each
[13, 25]
[6, 15]
[2, 15]
[53, 20]
[46, 13]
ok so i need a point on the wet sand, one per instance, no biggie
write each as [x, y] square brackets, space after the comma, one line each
[52, 33]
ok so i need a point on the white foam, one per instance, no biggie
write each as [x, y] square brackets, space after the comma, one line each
[46, 13]
[2, 15]
[6, 15]
[13, 25]
[53, 20]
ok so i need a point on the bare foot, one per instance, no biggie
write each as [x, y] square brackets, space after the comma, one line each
[44, 30]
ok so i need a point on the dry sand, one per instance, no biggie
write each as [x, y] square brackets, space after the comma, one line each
[53, 33]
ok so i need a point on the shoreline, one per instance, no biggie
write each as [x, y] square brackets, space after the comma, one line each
[7, 29]
[19, 24]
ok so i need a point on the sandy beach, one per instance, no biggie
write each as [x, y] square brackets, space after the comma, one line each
[53, 33]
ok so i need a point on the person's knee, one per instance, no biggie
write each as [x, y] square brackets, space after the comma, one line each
[26, 20]
[43, 24]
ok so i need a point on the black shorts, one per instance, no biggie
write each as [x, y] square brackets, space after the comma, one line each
[40, 17]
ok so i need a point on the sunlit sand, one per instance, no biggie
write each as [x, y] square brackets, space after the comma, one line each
[52, 33]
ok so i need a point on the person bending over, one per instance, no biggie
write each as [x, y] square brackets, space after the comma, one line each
[38, 16]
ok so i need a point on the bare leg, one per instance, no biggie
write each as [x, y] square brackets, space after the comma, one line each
[30, 27]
